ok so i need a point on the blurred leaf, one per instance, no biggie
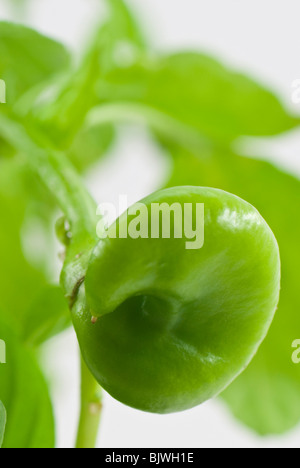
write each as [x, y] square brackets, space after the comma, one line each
[27, 58]
[29, 61]
[47, 316]
[22, 285]
[120, 40]
[2, 422]
[5, 149]
[24, 393]
[266, 396]
[64, 113]
[201, 93]
[89, 145]
[59, 108]
[61, 112]
[19, 280]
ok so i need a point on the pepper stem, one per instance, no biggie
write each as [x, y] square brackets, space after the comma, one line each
[91, 409]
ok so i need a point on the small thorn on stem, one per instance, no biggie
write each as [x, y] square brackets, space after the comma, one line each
[95, 408]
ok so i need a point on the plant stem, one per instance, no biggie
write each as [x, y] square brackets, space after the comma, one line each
[63, 182]
[119, 112]
[56, 172]
[91, 408]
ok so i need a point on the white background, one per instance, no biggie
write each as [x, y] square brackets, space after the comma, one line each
[260, 37]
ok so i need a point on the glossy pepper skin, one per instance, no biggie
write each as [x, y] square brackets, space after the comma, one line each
[176, 326]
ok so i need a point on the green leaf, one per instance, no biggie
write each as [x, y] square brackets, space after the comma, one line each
[2, 422]
[28, 58]
[62, 115]
[24, 393]
[266, 396]
[120, 40]
[200, 93]
[47, 316]
[89, 144]
[59, 109]
[16, 273]
[24, 287]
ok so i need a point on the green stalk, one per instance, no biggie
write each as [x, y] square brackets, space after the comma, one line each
[57, 173]
[91, 408]
[63, 182]
[159, 122]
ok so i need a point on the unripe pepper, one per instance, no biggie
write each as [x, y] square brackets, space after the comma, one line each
[163, 328]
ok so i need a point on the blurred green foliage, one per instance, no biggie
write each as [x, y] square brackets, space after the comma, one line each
[28, 58]
[25, 396]
[201, 93]
[195, 108]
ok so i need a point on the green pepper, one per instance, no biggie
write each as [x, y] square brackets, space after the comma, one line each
[163, 327]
